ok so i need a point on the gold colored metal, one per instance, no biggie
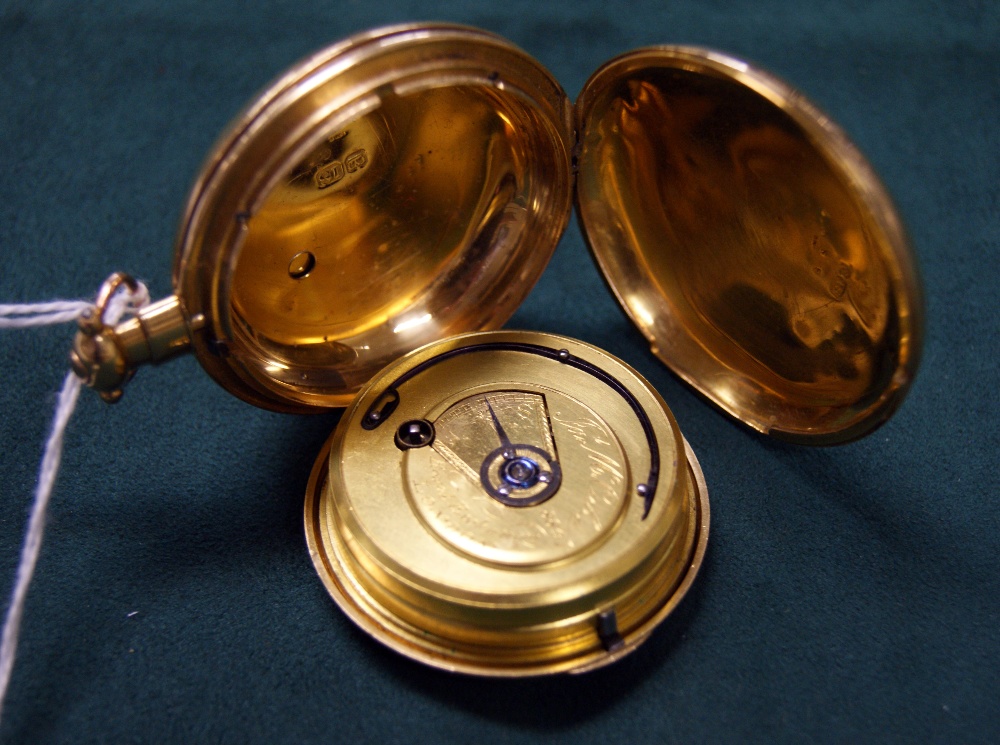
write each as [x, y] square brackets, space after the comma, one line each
[411, 183]
[403, 186]
[106, 357]
[516, 503]
[510, 536]
[749, 241]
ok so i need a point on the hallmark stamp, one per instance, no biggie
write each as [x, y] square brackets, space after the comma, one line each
[334, 171]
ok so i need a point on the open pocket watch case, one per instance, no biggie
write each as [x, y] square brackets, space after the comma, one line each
[514, 503]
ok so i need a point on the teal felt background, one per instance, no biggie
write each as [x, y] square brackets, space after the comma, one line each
[849, 594]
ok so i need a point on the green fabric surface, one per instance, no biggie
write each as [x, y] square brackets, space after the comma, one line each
[849, 594]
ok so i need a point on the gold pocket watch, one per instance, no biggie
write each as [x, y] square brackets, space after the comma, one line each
[517, 503]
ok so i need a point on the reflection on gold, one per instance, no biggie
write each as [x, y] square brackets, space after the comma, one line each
[406, 215]
[758, 248]
[411, 323]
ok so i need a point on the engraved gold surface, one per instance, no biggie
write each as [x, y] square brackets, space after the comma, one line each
[749, 241]
[443, 481]
[416, 551]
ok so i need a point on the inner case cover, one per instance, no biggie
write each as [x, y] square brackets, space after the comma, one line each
[411, 183]
[749, 241]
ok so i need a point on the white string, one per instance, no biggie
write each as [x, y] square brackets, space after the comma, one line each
[27, 309]
[25, 316]
[36, 524]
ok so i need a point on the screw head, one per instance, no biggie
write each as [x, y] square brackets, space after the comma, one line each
[415, 433]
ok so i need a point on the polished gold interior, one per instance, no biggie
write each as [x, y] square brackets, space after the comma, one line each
[417, 220]
[404, 185]
[749, 242]
[411, 183]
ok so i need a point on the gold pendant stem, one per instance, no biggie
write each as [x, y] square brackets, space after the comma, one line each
[106, 356]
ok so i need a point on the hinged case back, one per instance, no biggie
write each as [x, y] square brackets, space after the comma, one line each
[411, 183]
[749, 241]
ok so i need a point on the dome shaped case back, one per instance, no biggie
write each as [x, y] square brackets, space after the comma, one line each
[749, 241]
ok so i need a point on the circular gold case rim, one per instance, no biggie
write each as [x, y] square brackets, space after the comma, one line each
[208, 243]
[347, 588]
[327, 91]
[315, 96]
[688, 360]
[280, 127]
